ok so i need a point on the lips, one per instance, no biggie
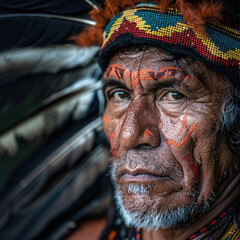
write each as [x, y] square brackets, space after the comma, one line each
[142, 176]
[147, 167]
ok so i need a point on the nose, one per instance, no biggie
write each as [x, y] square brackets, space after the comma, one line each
[140, 126]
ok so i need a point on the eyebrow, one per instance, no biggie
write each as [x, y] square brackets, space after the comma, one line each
[167, 83]
[114, 83]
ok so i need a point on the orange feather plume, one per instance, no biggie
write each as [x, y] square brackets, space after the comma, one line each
[196, 14]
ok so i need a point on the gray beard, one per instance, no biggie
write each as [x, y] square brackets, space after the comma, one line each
[153, 219]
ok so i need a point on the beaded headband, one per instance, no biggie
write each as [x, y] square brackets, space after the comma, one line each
[219, 47]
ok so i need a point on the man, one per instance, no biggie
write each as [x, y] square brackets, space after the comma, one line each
[172, 90]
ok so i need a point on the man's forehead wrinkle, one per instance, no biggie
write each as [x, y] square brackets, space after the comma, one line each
[175, 76]
[134, 70]
[188, 64]
[162, 55]
[198, 69]
[139, 67]
[129, 55]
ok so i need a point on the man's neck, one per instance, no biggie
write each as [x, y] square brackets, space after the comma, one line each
[223, 201]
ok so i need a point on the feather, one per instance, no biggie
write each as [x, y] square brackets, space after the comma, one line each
[35, 31]
[39, 22]
[91, 4]
[59, 7]
[60, 17]
[197, 13]
[49, 59]
[233, 11]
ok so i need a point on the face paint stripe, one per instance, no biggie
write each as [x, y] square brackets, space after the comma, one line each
[107, 72]
[151, 74]
[105, 119]
[193, 166]
[184, 123]
[113, 144]
[184, 141]
[191, 76]
[119, 72]
[135, 80]
[112, 235]
[114, 70]
[193, 127]
[147, 132]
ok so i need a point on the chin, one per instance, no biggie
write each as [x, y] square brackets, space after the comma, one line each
[139, 214]
[141, 209]
[161, 202]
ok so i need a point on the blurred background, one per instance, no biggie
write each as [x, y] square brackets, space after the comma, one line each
[54, 157]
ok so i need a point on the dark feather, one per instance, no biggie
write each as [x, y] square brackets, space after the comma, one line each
[62, 7]
[35, 31]
[233, 10]
[22, 31]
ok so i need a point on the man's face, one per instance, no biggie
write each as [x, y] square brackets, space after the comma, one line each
[162, 120]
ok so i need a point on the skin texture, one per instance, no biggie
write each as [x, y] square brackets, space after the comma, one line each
[162, 120]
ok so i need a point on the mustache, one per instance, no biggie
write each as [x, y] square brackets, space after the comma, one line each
[149, 161]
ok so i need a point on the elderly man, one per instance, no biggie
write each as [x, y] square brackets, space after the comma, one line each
[171, 81]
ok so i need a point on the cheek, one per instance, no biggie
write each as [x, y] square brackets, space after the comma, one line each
[109, 127]
[112, 118]
[192, 165]
[178, 133]
[108, 121]
[114, 144]
[206, 141]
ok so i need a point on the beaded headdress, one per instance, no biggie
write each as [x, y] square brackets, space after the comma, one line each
[218, 46]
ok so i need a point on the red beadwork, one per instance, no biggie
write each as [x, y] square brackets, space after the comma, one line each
[192, 41]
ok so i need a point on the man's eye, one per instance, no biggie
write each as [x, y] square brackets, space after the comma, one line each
[173, 96]
[120, 95]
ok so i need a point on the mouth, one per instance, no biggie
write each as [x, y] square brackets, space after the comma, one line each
[161, 182]
[142, 176]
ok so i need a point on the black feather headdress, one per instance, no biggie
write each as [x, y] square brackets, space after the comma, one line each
[40, 23]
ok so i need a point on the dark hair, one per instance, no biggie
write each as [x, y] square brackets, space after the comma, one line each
[230, 117]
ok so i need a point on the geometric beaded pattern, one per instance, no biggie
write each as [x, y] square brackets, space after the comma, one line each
[220, 44]
[233, 233]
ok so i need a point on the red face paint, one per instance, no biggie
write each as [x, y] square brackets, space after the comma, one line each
[135, 80]
[193, 166]
[183, 142]
[114, 71]
[114, 144]
[105, 119]
[112, 235]
[147, 132]
[120, 73]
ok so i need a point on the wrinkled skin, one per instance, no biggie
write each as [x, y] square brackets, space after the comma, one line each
[162, 120]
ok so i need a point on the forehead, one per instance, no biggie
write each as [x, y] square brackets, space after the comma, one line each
[152, 58]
